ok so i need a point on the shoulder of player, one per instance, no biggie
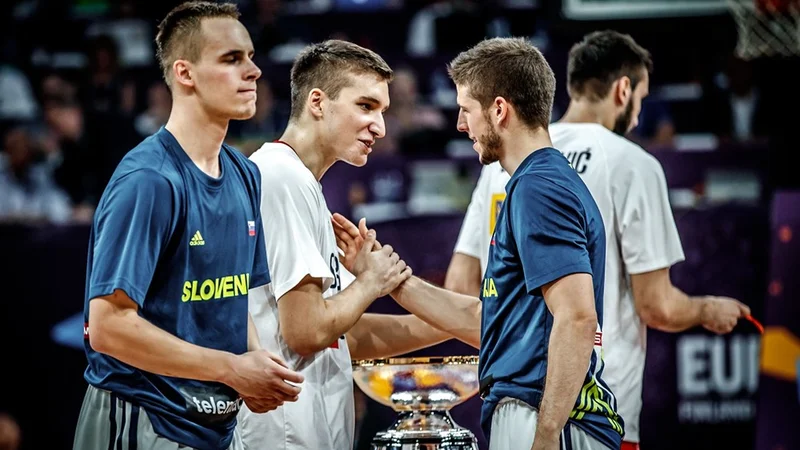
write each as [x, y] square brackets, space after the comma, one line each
[282, 172]
[272, 157]
[157, 180]
[627, 152]
[239, 157]
[150, 152]
[533, 194]
[146, 163]
[537, 187]
[141, 184]
[243, 163]
[609, 142]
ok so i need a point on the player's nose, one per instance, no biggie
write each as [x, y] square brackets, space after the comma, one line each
[252, 72]
[378, 127]
[461, 125]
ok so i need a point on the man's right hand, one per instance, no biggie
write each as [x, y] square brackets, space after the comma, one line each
[262, 405]
[721, 314]
[380, 269]
[261, 375]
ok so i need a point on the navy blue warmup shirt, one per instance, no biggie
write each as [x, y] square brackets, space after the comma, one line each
[549, 227]
[186, 247]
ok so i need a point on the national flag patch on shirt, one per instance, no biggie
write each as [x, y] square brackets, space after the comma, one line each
[251, 227]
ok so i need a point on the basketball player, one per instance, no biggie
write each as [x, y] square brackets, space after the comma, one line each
[607, 79]
[312, 314]
[540, 312]
[175, 244]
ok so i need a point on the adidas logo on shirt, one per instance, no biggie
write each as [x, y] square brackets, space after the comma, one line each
[197, 239]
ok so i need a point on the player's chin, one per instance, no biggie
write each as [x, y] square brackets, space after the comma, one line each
[245, 112]
[487, 158]
[358, 160]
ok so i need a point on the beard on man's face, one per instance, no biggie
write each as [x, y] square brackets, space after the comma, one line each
[490, 143]
[623, 122]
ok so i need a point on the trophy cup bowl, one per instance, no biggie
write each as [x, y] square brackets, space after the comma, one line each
[422, 390]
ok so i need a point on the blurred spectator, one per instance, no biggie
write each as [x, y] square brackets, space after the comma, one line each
[82, 145]
[159, 105]
[132, 34]
[10, 434]
[409, 112]
[105, 90]
[17, 101]
[53, 85]
[66, 153]
[656, 129]
[734, 99]
[16, 98]
[264, 25]
[30, 194]
[407, 115]
[447, 27]
[274, 33]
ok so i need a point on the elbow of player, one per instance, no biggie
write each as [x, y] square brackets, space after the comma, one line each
[101, 337]
[305, 342]
[586, 323]
[583, 320]
[110, 326]
[655, 314]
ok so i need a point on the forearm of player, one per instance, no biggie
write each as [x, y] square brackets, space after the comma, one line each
[663, 306]
[570, 300]
[386, 335]
[568, 356]
[310, 323]
[117, 330]
[456, 314]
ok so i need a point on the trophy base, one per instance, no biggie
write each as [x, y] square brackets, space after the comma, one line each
[425, 430]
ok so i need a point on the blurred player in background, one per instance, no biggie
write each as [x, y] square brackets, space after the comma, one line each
[176, 242]
[608, 76]
[312, 313]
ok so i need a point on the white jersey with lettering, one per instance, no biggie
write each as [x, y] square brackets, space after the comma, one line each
[484, 207]
[630, 189]
[300, 242]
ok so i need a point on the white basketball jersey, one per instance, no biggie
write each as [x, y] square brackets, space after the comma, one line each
[630, 189]
[300, 241]
[481, 217]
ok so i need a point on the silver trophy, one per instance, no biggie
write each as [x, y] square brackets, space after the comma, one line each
[422, 391]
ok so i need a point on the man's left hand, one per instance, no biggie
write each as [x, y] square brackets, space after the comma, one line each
[349, 239]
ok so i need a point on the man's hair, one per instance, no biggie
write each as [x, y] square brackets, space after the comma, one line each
[511, 68]
[600, 59]
[180, 33]
[328, 66]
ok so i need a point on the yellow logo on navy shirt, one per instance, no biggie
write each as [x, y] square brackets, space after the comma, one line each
[494, 207]
[216, 288]
[197, 239]
[489, 289]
